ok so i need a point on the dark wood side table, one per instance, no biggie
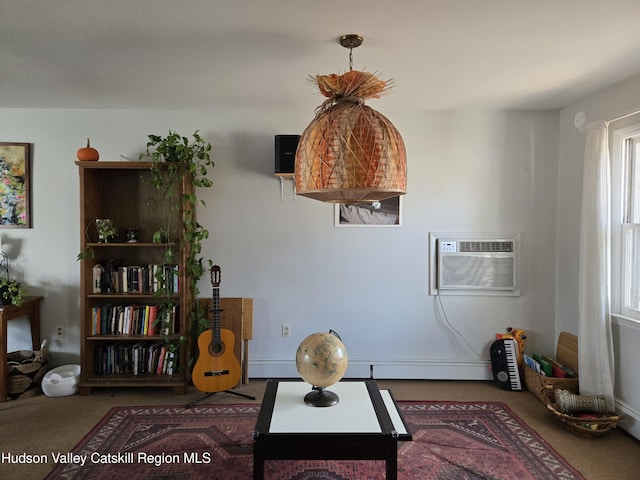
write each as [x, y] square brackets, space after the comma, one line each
[365, 425]
[30, 308]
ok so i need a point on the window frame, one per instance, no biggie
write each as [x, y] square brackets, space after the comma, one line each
[625, 214]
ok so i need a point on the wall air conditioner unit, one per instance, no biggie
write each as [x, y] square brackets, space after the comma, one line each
[477, 266]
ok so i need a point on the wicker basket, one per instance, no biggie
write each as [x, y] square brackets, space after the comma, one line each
[25, 369]
[566, 354]
[536, 382]
[586, 427]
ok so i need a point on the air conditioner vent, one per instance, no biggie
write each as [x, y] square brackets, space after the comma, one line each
[472, 264]
[479, 247]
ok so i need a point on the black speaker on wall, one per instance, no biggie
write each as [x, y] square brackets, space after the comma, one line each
[286, 146]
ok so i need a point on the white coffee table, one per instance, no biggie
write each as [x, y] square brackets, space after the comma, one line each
[365, 425]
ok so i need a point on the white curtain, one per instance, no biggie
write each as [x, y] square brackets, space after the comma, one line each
[595, 346]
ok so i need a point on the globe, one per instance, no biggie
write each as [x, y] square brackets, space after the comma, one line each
[322, 360]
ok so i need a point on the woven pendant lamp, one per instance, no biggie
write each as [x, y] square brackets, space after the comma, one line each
[350, 153]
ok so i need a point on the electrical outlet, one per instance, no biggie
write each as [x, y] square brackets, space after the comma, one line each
[59, 331]
[286, 330]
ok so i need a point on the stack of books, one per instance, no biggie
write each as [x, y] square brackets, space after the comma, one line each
[548, 367]
[115, 277]
[133, 319]
[135, 359]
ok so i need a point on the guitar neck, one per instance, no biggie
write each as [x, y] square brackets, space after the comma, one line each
[216, 322]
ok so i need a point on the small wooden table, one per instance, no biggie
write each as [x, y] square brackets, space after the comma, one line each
[30, 308]
[365, 425]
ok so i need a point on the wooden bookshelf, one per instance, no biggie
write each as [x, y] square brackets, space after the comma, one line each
[121, 191]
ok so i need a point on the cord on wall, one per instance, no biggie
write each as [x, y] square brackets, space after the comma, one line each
[438, 302]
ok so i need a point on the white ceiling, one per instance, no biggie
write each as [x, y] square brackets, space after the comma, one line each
[207, 54]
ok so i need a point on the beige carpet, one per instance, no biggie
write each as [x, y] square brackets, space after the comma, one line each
[41, 424]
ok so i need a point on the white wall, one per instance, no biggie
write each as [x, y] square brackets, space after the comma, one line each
[473, 171]
[614, 102]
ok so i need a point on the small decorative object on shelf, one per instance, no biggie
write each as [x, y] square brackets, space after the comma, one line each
[132, 235]
[88, 153]
[160, 236]
[106, 230]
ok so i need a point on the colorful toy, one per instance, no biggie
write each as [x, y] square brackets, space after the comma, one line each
[519, 336]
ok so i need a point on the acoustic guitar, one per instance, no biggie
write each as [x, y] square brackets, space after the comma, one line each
[217, 368]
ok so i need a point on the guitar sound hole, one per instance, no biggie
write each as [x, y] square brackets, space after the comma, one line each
[216, 348]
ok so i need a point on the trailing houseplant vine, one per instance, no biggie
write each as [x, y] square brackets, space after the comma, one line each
[173, 157]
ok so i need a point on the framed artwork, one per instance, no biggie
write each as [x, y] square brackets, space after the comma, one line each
[385, 213]
[15, 183]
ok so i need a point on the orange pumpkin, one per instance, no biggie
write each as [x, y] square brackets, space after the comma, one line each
[88, 154]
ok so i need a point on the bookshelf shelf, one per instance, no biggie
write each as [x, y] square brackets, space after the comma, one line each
[124, 380]
[130, 245]
[121, 192]
[112, 296]
[131, 338]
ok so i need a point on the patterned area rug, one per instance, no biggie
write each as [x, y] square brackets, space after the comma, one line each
[451, 440]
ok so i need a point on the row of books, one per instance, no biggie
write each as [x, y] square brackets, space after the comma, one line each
[548, 367]
[135, 359]
[135, 319]
[114, 277]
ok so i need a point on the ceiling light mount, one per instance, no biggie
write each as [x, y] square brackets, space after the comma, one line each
[351, 40]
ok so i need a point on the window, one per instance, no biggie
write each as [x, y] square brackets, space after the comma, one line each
[626, 222]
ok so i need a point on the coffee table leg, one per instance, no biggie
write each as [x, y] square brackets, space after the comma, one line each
[392, 466]
[258, 467]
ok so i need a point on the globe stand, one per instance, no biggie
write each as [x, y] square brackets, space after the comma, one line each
[319, 397]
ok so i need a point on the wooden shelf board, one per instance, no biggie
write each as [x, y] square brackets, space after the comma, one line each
[125, 380]
[137, 338]
[130, 244]
[103, 164]
[128, 295]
